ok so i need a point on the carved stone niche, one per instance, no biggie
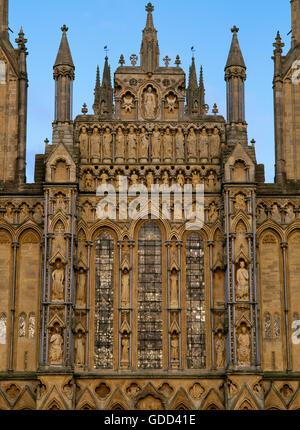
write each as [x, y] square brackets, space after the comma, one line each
[149, 106]
[242, 292]
[128, 108]
[79, 346]
[171, 106]
[243, 343]
[56, 341]
[57, 278]
[81, 280]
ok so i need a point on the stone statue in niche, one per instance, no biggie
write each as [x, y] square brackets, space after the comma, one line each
[60, 202]
[276, 215]
[174, 289]
[203, 145]
[143, 146]
[214, 143]
[131, 143]
[107, 145]
[81, 287]
[243, 350]
[149, 180]
[79, 346]
[125, 301]
[192, 145]
[167, 145]
[56, 346]
[58, 277]
[120, 146]
[211, 181]
[84, 144]
[180, 179]
[125, 349]
[128, 103]
[88, 181]
[134, 178]
[165, 178]
[220, 350]
[174, 346]
[179, 146]
[156, 145]
[261, 214]
[289, 215]
[212, 212]
[240, 203]
[9, 214]
[95, 144]
[195, 178]
[171, 102]
[242, 280]
[150, 104]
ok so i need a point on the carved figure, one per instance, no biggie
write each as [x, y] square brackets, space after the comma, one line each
[244, 346]
[125, 288]
[179, 145]
[143, 146]
[128, 102]
[156, 145]
[167, 145]
[242, 277]
[107, 144]
[215, 144]
[81, 287]
[120, 145]
[203, 144]
[192, 144]
[220, 350]
[131, 142]
[95, 143]
[79, 346]
[55, 350]
[58, 277]
[149, 103]
[84, 143]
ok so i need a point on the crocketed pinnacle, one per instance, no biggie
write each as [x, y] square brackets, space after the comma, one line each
[106, 79]
[64, 56]
[235, 57]
[193, 85]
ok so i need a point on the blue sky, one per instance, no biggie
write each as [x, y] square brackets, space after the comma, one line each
[180, 24]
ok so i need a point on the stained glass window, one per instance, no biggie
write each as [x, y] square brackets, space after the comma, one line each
[22, 325]
[195, 312]
[3, 329]
[267, 326]
[104, 302]
[150, 297]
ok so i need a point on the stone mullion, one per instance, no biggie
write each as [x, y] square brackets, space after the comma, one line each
[89, 245]
[15, 246]
[284, 246]
[255, 286]
[251, 299]
[210, 244]
[48, 298]
[233, 235]
[71, 304]
[44, 282]
[228, 277]
[179, 244]
[168, 245]
[131, 245]
[67, 297]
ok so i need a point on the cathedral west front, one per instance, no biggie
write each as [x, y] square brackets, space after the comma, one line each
[113, 298]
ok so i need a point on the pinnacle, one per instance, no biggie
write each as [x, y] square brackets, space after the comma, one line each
[64, 56]
[235, 57]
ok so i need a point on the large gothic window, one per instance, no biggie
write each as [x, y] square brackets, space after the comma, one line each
[195, 313]
[104, 296]
[150, 297]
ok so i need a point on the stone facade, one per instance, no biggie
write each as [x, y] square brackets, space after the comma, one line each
[136, 313]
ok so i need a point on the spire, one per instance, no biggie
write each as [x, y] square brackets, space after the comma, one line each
[106, 79]
[149, 49]
[103, 101]
[64, 56]
[235, 57]
[64, 77]
[201, 89]
[97, 86]
[4, 18]
[193, 76]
